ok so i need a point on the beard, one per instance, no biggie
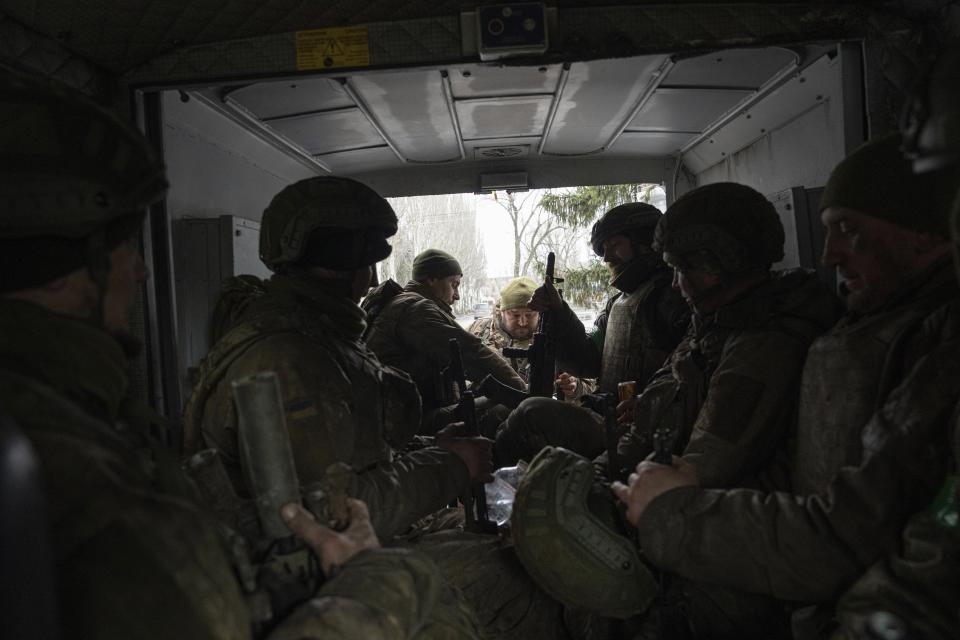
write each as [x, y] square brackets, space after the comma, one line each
[615, 267]
[521, 333]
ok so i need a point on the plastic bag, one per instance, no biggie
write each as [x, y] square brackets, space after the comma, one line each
[502, 491]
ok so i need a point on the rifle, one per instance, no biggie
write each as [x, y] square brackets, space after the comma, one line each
[541, 356]
[606, 405]
[475, 499]
[662, 446]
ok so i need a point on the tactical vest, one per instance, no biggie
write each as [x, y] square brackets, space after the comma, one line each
[673, 401]
[380, 395]
[844, 382]
[629, 346]
[384, 341]
[674, 398]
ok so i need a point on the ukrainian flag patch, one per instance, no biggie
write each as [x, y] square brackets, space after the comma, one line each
[301, 409]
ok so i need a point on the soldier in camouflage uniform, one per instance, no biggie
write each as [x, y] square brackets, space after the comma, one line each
[631, 337]
[876, 398]
[727, 395]
[135, 555]
[915, 591]
[413, 331]
[512, 323]
[321, 237]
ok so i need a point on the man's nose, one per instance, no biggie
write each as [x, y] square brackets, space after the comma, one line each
[832, 255]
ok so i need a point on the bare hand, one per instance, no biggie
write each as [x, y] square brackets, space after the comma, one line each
[453, 430]
[567, 383]
[334, 548]
[625, 411]
[545, 298]
[650, 481]
[476, 453]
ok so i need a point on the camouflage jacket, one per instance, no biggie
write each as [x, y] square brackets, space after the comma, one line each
[809, 547]
[413, 332]
[495, 337]
[728, 393]
[918, 581]
[135, 556]
[342, 404]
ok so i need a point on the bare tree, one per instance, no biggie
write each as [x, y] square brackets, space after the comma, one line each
[533, 227]
[541, 221]
[446, 222]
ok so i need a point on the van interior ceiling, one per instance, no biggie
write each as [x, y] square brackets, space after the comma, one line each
[416, 102]
[773, 117]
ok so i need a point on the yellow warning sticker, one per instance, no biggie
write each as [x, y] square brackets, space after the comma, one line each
[332, 48]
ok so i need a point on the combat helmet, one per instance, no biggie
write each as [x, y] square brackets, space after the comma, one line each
[721, 228]
[327, 221]
[567, 538]
[931, 118]
[624, 219]
[74, 182]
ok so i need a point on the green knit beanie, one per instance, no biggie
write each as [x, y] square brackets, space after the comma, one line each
[434, 263]
[876, 180]
[517, 293]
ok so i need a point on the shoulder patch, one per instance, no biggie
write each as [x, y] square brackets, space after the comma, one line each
[300, 409]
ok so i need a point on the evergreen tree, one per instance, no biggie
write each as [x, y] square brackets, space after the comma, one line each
[587, 284]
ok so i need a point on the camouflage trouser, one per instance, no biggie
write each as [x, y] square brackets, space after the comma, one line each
[509, 604]
[486, 570]
[538, 422]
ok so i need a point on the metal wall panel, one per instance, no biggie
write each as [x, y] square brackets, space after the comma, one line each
[597, 100]
[650, 143]
[410, 107]
[731, 68]
[329, 132]
[208, 251]
[685, 110]
[492, 118]
[287, 97]
[216, 167]
[478, 80]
